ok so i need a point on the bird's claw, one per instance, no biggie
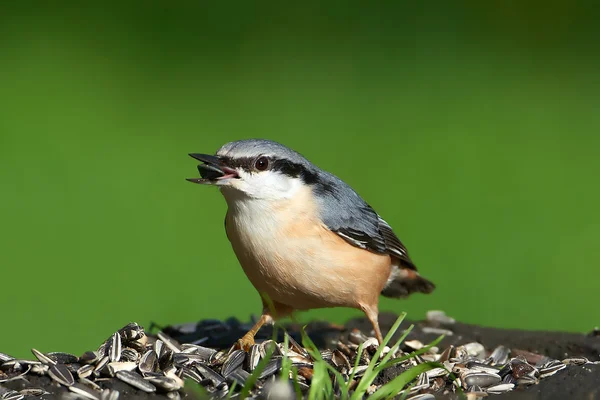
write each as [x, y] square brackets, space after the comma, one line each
[245, 342]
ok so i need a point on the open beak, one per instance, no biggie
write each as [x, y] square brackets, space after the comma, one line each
[212, 170]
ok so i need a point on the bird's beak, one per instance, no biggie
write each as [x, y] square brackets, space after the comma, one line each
[212, 170]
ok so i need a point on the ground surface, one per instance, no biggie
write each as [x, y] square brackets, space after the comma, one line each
[573, 382]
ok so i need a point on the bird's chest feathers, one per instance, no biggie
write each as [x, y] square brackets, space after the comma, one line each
[271, 238]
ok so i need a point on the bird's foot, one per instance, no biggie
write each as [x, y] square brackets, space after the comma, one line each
[245, 342]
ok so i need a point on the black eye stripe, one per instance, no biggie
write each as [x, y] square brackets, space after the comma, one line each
[285, 167]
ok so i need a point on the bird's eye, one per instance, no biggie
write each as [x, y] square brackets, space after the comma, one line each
[261, 163]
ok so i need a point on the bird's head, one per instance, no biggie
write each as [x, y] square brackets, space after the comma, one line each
[255, 168]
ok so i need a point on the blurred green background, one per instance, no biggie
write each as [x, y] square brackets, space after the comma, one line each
[471, 127]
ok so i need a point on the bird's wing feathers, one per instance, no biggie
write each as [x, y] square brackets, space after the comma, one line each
[349, 216]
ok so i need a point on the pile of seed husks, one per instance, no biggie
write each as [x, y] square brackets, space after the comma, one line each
[159, 364]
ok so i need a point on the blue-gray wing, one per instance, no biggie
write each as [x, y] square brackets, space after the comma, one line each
[344, 212]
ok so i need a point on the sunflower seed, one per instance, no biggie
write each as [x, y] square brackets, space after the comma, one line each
[436, 372]
[63, 358]
[575, 361]
[42, 357]
[159, 347]
[5, 357]
[169, 342]
[253, 357]
[129, 354]
[191, 373]
[136, 380]
[12, 395]
[235, 361]
[204, 352]
[424, 396]
[437, 331]
[207, 373]
[117, 366]
[272, 367]
[89, 357]
[165, 383]
[482, 379]
[499, 356]
[114, 351]
[84, 391]
[85, 371]
[502, 388]
[61, 374]
[131, 332]
[35, 392]
[239, 376]
[101, 364]
[520, 369]
[148, 362]
[550, 368]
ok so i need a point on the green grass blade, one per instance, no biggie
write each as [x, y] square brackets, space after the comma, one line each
[286, 364]
[422, 350]
[395, 386]
[396, 346]
[231, 389]
[370, 374]
[320, 385]
[297, 388]
[343, 385]
[255, 374]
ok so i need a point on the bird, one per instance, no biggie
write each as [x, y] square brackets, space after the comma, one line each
[304, 238]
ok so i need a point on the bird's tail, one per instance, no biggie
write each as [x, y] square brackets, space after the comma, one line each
[405, 281]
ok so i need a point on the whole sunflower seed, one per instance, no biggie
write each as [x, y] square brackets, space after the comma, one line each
[253, 357]
[502, 388]
[482, 379]
[204, 352]
[5, 357]
[114, 351]
[85, 371]
[101, 364]
[424, 396]
[239, 376]
[83, 391]
[91, 384]
[165, 383]
[272, 367]
[136, 380]
[233, 362]
[575, 361]
[42, 357]
[550, 368]
[61, 374]
[117, 366]
[63, 358]
[206, 372]
[89, 357]
[129, 354]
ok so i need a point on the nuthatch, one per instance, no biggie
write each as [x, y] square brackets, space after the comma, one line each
[304, 238]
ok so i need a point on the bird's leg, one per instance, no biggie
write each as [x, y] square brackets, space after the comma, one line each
[247, 341]
[271, 310]
[372, 314]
